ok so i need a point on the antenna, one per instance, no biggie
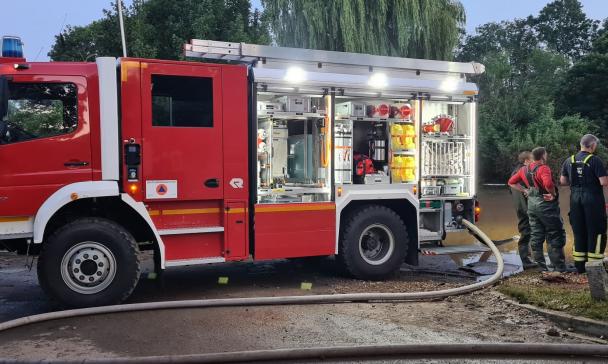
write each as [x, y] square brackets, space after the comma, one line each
[122, 28]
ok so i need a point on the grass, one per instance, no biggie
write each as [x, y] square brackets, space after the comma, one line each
[571, 298]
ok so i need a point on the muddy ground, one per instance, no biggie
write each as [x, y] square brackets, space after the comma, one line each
[477, 317]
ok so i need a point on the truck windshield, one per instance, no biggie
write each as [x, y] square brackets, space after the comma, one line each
[39, 110]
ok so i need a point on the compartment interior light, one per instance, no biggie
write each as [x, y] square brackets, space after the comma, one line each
[295, 75]
[450, 84]
[378, 80]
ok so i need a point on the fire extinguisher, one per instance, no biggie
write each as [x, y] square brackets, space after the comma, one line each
[363, 166]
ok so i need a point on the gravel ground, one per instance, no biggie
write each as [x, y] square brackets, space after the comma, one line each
[477, 317]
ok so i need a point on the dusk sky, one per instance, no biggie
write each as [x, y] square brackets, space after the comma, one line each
[37, 22]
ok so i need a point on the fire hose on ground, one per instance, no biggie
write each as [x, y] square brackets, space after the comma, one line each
[329, 352]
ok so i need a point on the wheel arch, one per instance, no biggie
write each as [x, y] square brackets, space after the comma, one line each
[100, 199]
[403, 202]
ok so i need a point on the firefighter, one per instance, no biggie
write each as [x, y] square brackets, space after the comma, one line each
[520, 202]
[543, 210]
[586, 174]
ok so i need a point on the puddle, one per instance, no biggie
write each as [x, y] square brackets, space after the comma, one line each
[499, 221]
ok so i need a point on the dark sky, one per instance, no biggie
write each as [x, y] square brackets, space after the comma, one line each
[36, 22]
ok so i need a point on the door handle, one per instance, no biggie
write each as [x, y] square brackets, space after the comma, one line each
[76, 164]
[212, 183]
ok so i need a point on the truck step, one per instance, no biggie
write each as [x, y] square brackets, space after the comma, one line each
[453, 249]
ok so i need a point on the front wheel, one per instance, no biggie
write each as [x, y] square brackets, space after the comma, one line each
[373, 243]
[89, 262]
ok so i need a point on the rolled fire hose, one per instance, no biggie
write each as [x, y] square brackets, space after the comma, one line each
[410, 351]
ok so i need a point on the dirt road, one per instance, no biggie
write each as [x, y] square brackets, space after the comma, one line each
[479, 317]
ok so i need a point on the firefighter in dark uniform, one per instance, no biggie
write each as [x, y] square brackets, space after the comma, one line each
[543, 210]
[520, 201]
[586, 175]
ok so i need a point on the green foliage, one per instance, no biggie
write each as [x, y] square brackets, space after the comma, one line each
[584, 89]
[405, 28]
[564, 28]
[526, 61]
[571, 298]
[37, 118]
[159, 28]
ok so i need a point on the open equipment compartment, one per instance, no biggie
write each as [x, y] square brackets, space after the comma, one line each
[376, 139]
[447, 168]
[293, 148]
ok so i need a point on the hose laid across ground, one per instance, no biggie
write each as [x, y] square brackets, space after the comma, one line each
[500, 351]
[270, 301]
[409, 351]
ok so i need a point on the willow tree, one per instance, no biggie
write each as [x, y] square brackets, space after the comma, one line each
[407, 28]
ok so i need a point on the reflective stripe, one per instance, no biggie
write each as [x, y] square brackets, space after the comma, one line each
[587, 158]
[580, 259]
[598, 244]
[572, 158]
[579, 254]
[595, 256]
[590, 259]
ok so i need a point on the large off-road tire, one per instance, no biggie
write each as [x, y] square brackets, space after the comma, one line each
[373, 243]
[89, 262]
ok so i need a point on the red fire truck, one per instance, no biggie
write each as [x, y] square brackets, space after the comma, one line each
[256, 152]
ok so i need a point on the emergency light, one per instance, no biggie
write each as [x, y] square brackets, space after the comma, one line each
[11, 47]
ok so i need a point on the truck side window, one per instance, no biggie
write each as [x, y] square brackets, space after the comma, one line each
[40, 110]
[181, 101]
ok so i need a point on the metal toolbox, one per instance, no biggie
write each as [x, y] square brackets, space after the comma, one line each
[269, 106]
[376, 178]
[431, 190]
[346, 109]
[295, 103]
[452, 188]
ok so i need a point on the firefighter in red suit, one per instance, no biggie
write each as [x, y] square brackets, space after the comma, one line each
[543, 210]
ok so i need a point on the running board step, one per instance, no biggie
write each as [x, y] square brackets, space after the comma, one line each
[196, 261]
[453, 249]
[191, 230]
[475, 247]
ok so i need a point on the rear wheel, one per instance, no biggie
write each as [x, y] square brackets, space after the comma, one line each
[89, 262]
[373, 243]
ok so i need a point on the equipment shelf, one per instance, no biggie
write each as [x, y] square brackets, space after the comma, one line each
[404, 152]
[362, 118]
[289, 115]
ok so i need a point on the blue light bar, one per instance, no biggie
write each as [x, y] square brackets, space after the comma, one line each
[12, 47]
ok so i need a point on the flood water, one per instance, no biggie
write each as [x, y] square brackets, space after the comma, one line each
[499, 221]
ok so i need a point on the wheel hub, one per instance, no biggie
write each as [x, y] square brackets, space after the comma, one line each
[376, 244]
[88, 267]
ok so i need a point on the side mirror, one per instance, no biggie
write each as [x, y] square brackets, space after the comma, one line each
[4, 95]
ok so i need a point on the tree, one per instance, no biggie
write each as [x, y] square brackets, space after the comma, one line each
[517, 94]
[565, 28]
[406, 28]
[584, 90]
[159, 28]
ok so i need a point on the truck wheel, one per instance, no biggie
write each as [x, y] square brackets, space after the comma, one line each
[89, 262]
[374, 243]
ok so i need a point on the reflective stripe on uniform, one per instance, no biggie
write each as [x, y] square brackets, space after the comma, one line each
[580, 259]
[598, 244]
[595, 256]
[579, 254]
[587, 158]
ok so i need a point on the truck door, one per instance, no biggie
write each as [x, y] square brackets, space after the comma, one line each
[44, 142]
[182, 158]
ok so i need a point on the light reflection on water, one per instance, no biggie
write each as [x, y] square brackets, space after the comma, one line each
[498, 219]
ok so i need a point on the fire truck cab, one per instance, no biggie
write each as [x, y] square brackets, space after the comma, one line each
[256, 153]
